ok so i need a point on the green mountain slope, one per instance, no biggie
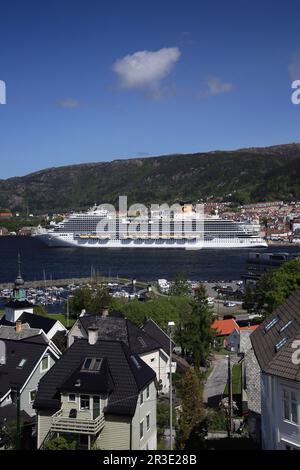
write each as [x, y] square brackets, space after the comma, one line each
[248, 175]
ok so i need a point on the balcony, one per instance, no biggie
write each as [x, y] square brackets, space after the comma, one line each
[64, 424]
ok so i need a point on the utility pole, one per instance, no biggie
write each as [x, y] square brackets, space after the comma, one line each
[68, 311]
[229, 398]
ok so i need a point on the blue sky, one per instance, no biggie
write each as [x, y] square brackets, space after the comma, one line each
[101, 80]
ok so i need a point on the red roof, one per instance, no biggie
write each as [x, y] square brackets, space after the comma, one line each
[250, 327]
[225, 327]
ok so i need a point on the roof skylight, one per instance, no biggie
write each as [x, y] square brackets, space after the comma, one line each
[271, 323]
[286, 325]
[21, 363]
[92, 364]
[142, 341]
[281, 343]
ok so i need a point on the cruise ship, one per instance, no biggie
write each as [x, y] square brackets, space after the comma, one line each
[97, 228]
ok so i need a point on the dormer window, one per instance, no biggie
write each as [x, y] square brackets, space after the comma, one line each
[92, 364]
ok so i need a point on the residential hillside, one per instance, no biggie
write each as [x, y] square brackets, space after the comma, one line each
[245, 175]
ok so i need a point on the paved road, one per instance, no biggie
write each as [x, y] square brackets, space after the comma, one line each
[215, 384]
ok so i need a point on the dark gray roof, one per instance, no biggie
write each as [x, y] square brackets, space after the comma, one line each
[34, 321]
[153, 330]
[120, 329]
[18, 304]
[9, 332]
[99, 381]
[16, 350]
[128, 375]
[279, 362]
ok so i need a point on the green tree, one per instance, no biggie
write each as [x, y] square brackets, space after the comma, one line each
[160, 309]
[40, 310]
[60, 443]
[163, 417]
[192, 411]
[273, 288]
[180, 286]
[197, 333]
[91, 300]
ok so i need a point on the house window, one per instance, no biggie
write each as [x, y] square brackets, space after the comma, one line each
[142, 398]
[84, 402]
[148, 392]
[148, 421]
[290, 406]
[45, 363]
[32, 395]
[141, 429]
[72, 397]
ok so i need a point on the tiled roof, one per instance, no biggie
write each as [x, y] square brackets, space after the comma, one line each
[158, 334]
[120, 329]
[9, 332]
[278, 360]
[18, 304]
[34, 321]
[250, 327]
[224, 327]
[129, 374]
[11, 373]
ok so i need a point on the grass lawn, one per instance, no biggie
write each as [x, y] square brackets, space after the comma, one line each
[62, 318]
[236, 380]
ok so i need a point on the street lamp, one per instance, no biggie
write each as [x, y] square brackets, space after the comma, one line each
[171, 326]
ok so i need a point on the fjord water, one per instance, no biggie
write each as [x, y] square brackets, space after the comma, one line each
[142, 264]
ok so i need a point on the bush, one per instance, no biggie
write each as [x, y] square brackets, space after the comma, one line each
[60, 443]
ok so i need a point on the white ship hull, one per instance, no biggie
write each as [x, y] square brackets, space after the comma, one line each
[68, 240]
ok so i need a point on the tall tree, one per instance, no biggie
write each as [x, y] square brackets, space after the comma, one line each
[91, 300]
[192, 411]
[180, 286]
[197, 333]
[273, 288]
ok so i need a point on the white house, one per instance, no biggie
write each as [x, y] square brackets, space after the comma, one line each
[116, 327]
[276, 344]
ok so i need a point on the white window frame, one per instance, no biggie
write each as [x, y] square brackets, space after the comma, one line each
[85, 409]
[32, 390]
[148, 417]
[289, 402]
[143, 434]
[48, 363]
[72, 401]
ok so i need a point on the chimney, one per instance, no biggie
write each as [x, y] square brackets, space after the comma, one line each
[18, 326]
[105, 312]
[92, 335]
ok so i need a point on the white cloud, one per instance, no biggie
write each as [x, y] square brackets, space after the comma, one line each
[145, 69]
[69, 103]
[294, 67]
[215, 86]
